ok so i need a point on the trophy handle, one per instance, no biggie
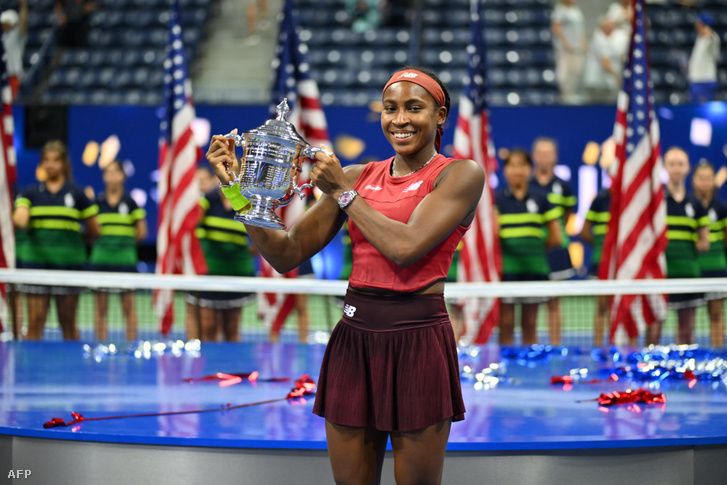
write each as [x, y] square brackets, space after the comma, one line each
[310, 152]
[240, 141]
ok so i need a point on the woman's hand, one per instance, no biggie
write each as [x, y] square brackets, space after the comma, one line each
[327, 174]
[221, 157]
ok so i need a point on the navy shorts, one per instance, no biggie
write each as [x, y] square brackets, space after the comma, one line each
[561, 267]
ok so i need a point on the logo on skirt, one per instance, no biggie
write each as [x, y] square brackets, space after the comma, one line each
[349, 310]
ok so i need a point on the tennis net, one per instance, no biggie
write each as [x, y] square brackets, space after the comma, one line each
[319, 303]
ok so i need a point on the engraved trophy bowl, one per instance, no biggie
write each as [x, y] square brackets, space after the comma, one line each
[270, 167]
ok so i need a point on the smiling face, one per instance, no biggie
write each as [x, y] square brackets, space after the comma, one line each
[410, 117]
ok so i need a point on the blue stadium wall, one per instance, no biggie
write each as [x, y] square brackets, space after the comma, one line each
[137, 129]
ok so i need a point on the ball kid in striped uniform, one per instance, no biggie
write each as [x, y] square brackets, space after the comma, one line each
[228, 252]
[123, 225]
[528, 225]
[593, 233]
[56, 214]
[713, 262]
[688, 234]
[560, 194]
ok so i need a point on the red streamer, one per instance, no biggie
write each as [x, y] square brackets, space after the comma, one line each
[629, 396]
[304, 386]
[229, 379]
[569, 379]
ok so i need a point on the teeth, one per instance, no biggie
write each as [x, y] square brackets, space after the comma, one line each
[402, 135]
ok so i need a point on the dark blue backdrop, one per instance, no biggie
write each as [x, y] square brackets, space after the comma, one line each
[138, 130]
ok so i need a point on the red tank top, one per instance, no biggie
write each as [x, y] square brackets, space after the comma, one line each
[396, 198]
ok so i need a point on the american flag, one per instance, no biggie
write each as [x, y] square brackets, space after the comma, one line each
[292, 81]
[636, 238]
[480, 258]
[8, 176]
[178, 251]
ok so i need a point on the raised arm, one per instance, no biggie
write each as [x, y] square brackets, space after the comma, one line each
[453, 201]
[308, 235]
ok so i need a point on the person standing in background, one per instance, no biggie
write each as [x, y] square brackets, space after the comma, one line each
[524, 215]
[687, 234]
[621, 13]
[14, 36]
[702, 67]
[713, 263]
[603, 70]
[227, 251]
[569, 39]
[207, 182]
[54, 213]
[593, 233]
[23, 258]
[123, 226]
[560, 194]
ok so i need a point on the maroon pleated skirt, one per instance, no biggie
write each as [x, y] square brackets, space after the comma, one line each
[391, 364]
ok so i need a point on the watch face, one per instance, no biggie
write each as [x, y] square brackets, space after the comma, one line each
[345, 199]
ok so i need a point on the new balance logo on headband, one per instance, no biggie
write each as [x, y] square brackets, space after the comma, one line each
[409, 75]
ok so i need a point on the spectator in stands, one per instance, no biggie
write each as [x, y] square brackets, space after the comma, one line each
[362, 15]
[227, 251]
[702, 67]
[54, 214]
[390, 369]
[14, 35]
[72, 20]
[123, 226]
[569, 37]
[593, 233]
[622, 13]
[257, 20]
[688, 234]
[604, 64]
[560, 194]
[524, 216]
[713, 263]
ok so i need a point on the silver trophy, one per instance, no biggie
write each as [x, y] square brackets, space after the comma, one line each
[270, 167]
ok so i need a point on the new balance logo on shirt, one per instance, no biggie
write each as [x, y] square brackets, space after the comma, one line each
[413, 186]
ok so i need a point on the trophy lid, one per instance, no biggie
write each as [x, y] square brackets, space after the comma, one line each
[279, 127]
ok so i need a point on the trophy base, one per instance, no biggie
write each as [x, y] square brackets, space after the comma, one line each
[261, 214]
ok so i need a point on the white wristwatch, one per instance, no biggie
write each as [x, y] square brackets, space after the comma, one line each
[345, 199]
